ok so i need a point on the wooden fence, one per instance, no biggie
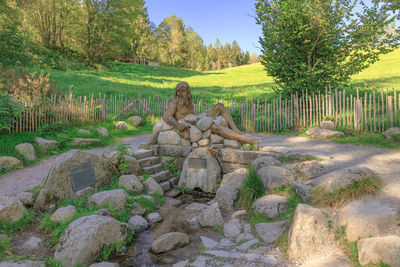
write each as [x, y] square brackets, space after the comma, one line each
[373, 112]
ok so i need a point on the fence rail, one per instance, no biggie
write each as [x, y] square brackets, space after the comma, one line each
[372, 112]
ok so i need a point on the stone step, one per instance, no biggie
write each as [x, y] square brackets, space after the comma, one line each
[142, 153]
[153, 169]
[146, 162]
[162, 176]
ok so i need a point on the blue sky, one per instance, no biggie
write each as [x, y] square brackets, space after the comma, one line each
[227, 20]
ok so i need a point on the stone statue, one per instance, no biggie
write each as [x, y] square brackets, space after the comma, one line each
[181, 105]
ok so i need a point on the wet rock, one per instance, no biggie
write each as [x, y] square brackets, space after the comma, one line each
[32, 243]
[328, 125]
[274, 176]
[45, 144]
[307, 234]
[154, 217]
[131, 182]
[84, 141]
[103, 131]
[23, 263]
[195, 134]
[385, 249]
[234, 179]
[206, 179]
[82, 241]
[232, 229]
[341, 178]
[271, 206]
[211, 216]
[152, 186]
[169, 138]
[26, 150]
[269, 232]
[366, 217]
[11, 209]
[121, 125]
[115, 197]
[323, 133]
[9, 162]
[303, 190]
[265, 161]
[169, 241]
[311, 169]
[133, 165]
[136, 121]
[63, 214]
[26, 198]
[113, 156]
[204, 123]
[232, 143]
[83, 131]
[138, 223]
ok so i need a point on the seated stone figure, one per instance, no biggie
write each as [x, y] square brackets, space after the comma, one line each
[181, 105]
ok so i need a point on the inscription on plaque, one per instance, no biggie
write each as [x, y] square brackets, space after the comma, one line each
[197, 163]
[82, 176]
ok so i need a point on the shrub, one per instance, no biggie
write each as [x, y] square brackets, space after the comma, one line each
[10, 108]
[251, 189]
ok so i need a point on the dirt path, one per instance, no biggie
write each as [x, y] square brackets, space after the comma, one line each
[25, 179]
[385, 162]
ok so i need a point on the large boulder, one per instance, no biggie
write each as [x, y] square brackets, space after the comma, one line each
[198, 177]
[11, 209]
[26, 150]
[45, 144]
[7, 162]
[328, 125]
[392, 133]
[375, 250]
[169, 241]
[103, 131]
[131, 182]
[311, 169]
[363, 218]
[136, 121]
[152, 186]
[307, 234]
[58, 185]
[319, 133]
[204, 123]
[63, 214]
[115, 197]
[265, 161]
[274, 176]
[234, 179]
[272, 206]
[169, 138]
[82, 241]
[121, 125]
[133, 165]
[341, 178]
[211, 216]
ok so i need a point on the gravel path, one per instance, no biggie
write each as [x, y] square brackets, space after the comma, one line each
[385, 162]
[25, 179]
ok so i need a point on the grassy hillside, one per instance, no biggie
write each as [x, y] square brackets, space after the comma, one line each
[248, 81]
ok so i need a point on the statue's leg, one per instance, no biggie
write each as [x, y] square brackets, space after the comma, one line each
[220, 110]
[229, 134]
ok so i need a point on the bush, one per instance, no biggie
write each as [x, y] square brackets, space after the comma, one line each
[10, 108]
[251, 189]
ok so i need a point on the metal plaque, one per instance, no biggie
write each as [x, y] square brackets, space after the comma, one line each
[82, 176]
[197, 163]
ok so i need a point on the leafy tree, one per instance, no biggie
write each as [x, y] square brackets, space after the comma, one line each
[312, 44]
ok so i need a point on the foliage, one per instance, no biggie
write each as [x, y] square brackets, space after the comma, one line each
[314, 44]
[338, 197]
[250, 147]
[5, 245]
[251, 189]
[9, 110]
[23, 223]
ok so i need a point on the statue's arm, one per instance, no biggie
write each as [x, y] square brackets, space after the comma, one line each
[169, 116]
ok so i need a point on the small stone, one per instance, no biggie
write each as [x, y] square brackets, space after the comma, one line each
[26, 198]
[247, 228]
[133, 165]
[197, 206]
[232, 229]
[152, 186]
[204, 124]
[207, 134]
[392, 133]
[204, 142]
[275, 149]
[23, 263]
[181, 264]
[131, 182]
[7, 162]
[32, 243]
[169, 241]
[208, 242]
[136, 121]
[303, 190]
[191, 118]
[121, 125]
[269, 232]
[185, 142]
[265, 161]
[226, 197]
[195, 145]
[103, 131]
[105, 264]
[104, 212]
[216, 139]
[329, 125]
[138, 209]
[26, 150]
[319, 133]
[232, 143]
[138, 223]
[83, 131]
[239, 214]
[271, 206]
[274, 176]
[210, 216]
[63, 214]
[11, 209]
[225, 242]
[244, 236]
[174, 202]
[115, 197]
[245, 246]
[45, 144]
[221, 121]
[113, 156]
[311, 169]
[195, 134]
[154, 217]
[169, 138]
[84, 141]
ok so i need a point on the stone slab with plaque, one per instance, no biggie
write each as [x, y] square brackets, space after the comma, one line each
[197, 163]
[82, 176]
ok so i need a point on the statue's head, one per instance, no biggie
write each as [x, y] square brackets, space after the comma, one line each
[183, 93]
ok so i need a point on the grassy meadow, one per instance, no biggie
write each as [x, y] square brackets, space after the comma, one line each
[249, 81]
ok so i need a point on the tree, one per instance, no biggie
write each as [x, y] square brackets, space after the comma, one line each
[312, 44]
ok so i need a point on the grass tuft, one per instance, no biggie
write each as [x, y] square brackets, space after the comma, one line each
[251, 189]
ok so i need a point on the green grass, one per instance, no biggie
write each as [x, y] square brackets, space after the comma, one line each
[248, 81]
[251, 189]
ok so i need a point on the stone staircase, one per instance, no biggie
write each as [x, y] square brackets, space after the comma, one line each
[152, 165]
